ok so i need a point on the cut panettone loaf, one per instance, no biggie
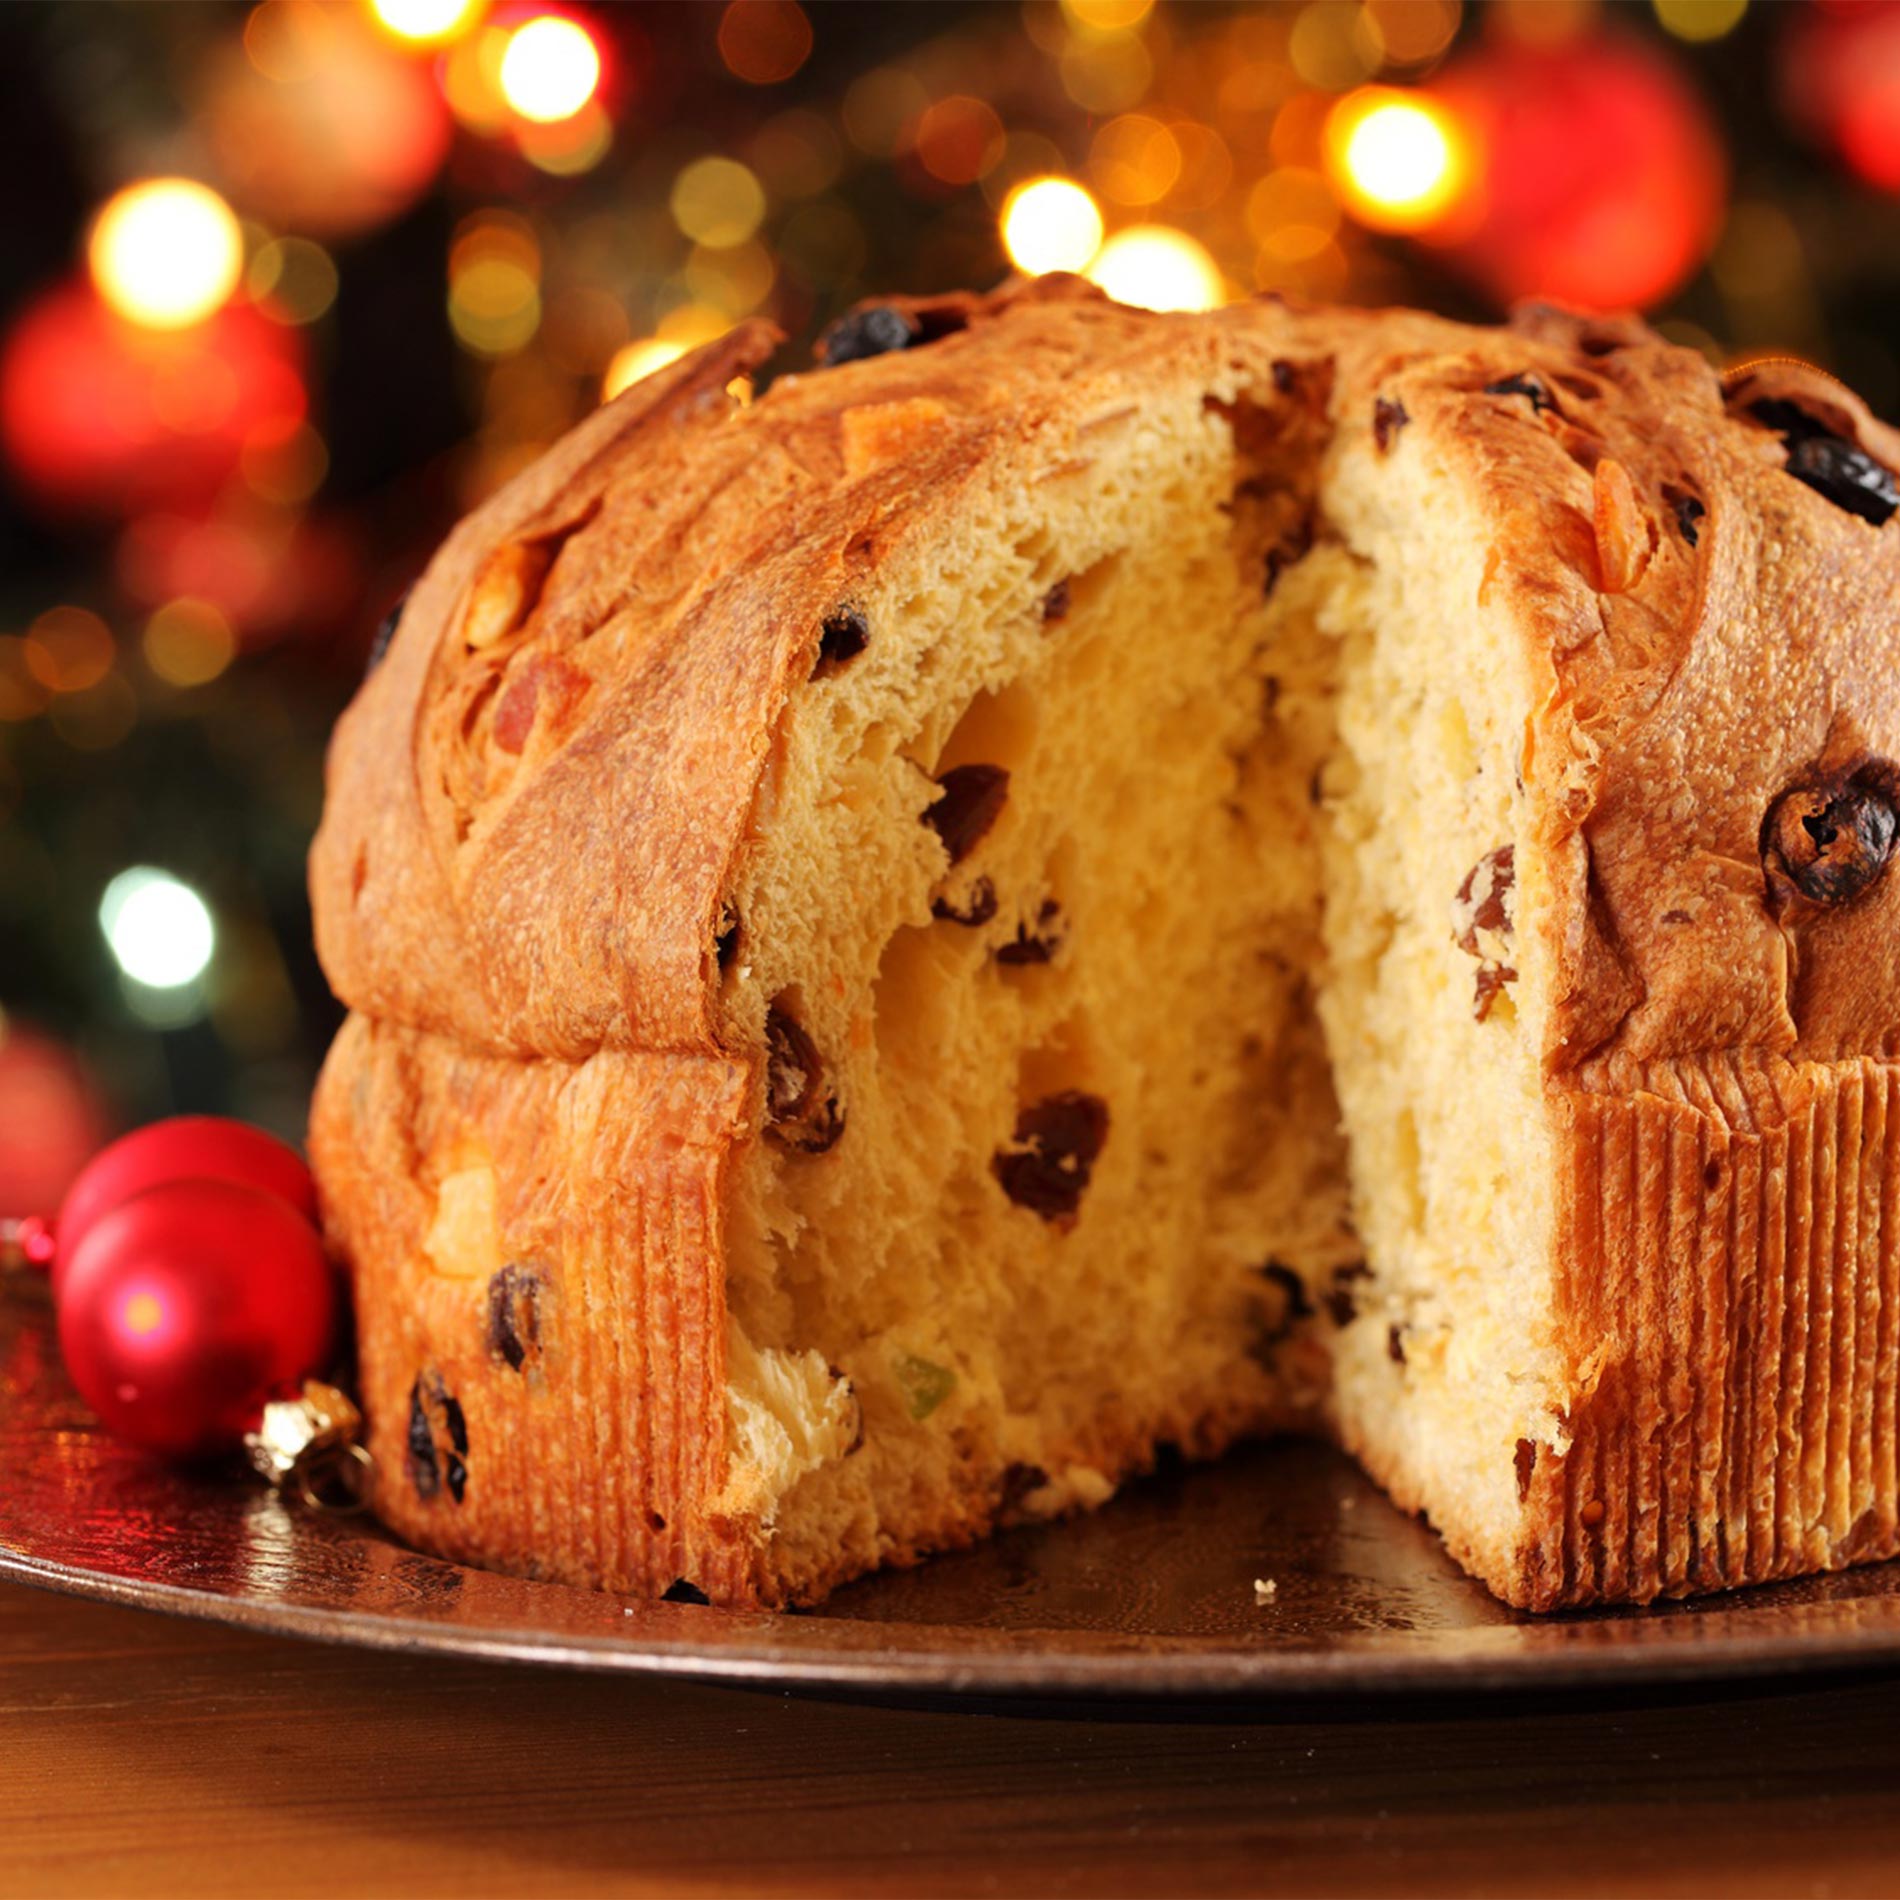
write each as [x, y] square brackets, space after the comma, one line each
[1072, 881]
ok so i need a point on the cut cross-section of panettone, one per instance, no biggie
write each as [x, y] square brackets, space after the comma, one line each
[1074, 880]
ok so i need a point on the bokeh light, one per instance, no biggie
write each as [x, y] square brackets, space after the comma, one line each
[1051, 224]
[292, 279]
[1699, 20]
[764, 42]
[426, 22]
[1394, 157]
[69, 650]
[550, 70]
[494, 297]
[158, 928]
[166, 253]
[188, 642]
[1157, 268]
[717, 201]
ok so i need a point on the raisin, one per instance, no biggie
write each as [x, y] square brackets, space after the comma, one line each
[1389, 416]
[841, 639]
[435, 1414]
[1017, 1482]
[1055, 603]
[1057, 1141]
[1395, 1344]
[862, 333]
[1838, 470]
[971, 801]
[1525, 1459]
[1830, 841]
[1038, 944]
[798, 1114]
[1689, 512]
[1488, 987]
[1483, 901]
[419, 1453]
[1339, 1300]
[978, 908]
[514, 1314]
[1286, 376]
[1295, 1305]
[680, 1591]
[1278, 1273]
[1526, 385]
[1284, 553]
[385, 633]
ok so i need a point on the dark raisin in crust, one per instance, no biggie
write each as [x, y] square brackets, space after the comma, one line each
[1523, 384]
[514, 1314]
[979, 907]
[873, 332]
[435, 1414]
[843, 637]
[680, 1591]
[1340, 1301]
[799, 1114]
[1689, 512]
[1831, 841]
[1840, 471]
[1388, 418]
[1491, 914]
[1055, 603]
[971, 800]
[1037, 943]
[419, 1452]
[385, 632]
[1057, 1141]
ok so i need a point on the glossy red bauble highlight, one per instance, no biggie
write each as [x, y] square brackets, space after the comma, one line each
[185, 1308]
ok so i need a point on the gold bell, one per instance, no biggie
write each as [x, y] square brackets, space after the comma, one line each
[310, 1446]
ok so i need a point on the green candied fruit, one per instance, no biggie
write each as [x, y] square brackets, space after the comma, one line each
[924, 1383]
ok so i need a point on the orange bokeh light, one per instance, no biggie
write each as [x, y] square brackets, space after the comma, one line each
[764, 42]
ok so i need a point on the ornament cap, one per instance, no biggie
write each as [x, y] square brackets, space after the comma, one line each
[310, 1446]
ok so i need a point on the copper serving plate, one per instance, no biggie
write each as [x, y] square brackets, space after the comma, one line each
[1152, 1597]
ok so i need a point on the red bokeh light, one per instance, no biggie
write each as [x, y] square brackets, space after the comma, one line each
[1601, 176]
[1840, 82]
[97, 415]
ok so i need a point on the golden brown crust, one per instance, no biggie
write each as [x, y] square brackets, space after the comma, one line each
[576, 1315]
[535, 806]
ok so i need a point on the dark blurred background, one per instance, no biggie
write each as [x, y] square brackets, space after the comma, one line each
[286, 288]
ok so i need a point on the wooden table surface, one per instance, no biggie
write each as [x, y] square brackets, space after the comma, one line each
[142, 1754]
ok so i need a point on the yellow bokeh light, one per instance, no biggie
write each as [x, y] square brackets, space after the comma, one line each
[636, 360]
[1051, 224]
[188, 642]
[1698, 20]
[1155, 267]
[1394, 157]
[1107, 16]
[550, 69]
[292, 280]
[166, 253]
[718, 202]
[425, 22]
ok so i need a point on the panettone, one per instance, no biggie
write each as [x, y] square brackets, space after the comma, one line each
[1073, 880]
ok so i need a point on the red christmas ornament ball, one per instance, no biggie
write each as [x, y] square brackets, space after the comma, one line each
[186, 1147]
[185, 1308]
